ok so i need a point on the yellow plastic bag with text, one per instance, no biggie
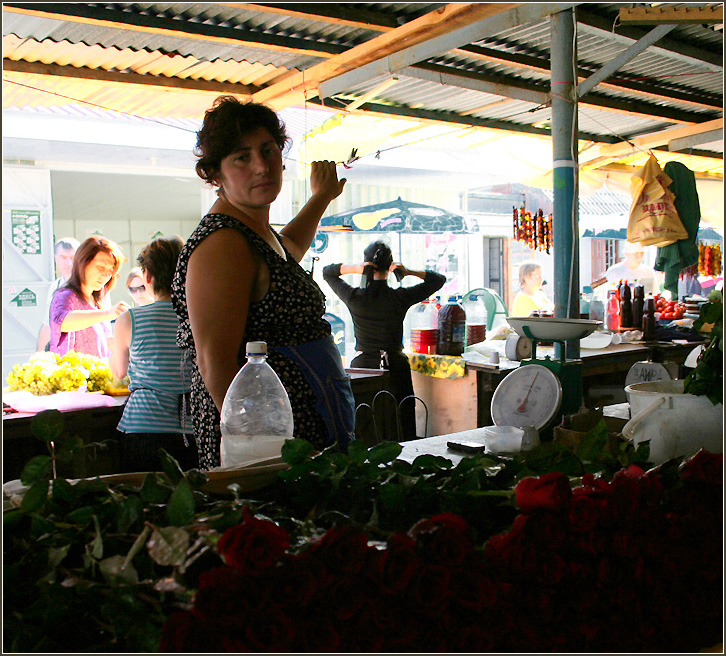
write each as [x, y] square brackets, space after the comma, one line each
[654, 220]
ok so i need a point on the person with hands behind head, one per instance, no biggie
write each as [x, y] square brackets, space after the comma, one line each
[80, 317]
[378, 312]
[144, 347]
[238, 280]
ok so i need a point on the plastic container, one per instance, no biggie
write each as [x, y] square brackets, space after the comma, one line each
[256, 416]
[424, 328]
[612, 319]
[675, 423]
[597, 310]
[452, 329]
[626, 307]
[476, 319]
[638, 305]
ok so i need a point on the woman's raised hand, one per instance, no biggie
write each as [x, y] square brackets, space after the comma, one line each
[324, 180]
[119, 308]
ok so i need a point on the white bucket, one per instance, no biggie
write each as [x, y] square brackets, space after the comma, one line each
[676, 424]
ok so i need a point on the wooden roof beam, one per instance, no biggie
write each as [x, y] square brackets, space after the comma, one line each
[56, 71]
[660, 15]
[606, 154]
[447, 19]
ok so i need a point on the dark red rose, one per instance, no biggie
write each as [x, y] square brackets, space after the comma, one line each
[253, 545]
[342, 549]
[186, 632]
[269, 630]
[392, 568]
[318, 635]
[546, 528]
[443, 539]
[471, 589]
[224, 595]
[547, 492]
[429, 590]
[704, 467]
[585, 512]
[296, 581]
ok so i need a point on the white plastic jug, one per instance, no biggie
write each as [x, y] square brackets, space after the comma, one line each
[675, 423]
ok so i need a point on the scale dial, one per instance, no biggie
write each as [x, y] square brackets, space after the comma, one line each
[528, 396]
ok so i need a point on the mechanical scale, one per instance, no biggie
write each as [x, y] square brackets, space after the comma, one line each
[541, 391]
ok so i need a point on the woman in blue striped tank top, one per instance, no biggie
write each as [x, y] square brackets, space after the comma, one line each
[155, 415]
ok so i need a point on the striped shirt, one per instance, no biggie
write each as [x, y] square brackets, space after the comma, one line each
[157, 374]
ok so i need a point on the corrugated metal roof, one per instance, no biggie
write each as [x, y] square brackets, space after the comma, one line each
[677, 82]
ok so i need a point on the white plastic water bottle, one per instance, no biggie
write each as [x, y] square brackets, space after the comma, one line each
[256, 416]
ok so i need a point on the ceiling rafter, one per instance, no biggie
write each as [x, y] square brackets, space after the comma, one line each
[447, 19]
[114, 77]
[84, 13]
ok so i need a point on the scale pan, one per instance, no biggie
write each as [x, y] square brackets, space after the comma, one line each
[552, 328]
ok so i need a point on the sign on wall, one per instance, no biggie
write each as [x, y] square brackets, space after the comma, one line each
[26, 231]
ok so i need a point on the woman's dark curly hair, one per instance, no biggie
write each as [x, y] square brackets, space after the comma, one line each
[226, 122]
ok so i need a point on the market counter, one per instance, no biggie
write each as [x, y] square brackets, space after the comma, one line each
[97, 428]
[458, 394]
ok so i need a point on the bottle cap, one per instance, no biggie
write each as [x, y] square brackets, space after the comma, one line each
[256, 348]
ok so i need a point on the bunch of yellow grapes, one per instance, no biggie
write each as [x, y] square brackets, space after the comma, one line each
[48, 373]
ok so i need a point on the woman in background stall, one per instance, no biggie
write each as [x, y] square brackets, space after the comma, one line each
[155, 415]
[530, 295]
[137, 289]
[378, 312]
[80, 316]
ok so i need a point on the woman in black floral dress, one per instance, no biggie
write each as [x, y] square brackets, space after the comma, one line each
[238, 280]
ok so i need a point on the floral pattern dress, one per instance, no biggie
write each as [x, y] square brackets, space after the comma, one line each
[291, 313]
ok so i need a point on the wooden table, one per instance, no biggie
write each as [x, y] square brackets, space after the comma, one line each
[97, 426]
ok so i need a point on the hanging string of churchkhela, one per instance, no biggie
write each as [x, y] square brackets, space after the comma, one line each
[709, 259]
[534, 231]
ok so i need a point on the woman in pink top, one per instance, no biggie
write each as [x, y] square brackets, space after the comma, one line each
[79, 319]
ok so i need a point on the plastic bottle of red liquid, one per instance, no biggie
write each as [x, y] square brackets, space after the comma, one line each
[452, 329]
[613, 312]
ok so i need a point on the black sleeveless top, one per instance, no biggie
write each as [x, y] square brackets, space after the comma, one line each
[291, 313]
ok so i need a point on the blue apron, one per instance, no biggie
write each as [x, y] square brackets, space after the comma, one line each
[321, 366]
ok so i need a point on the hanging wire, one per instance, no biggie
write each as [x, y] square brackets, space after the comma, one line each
[108, 109]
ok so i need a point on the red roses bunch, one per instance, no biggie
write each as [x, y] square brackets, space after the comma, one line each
[424, 590]
[628, 565]
[634, 564]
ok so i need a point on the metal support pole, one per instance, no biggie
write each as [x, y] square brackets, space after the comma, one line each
[565, 171]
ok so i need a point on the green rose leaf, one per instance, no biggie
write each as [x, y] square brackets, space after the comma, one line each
[12, 518]
[57, 554]
[68, 447]
[168, 546]
[170, 467]
[115, 573]
[180, 510]
[81, 516]
[97, 544]
[130, 511]
[152, 491]
[36, 496]
[357, 452]
[197, 479]
[384, 453]
[62, 490]
[47, 425]
[35, 469]
[296, 451]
